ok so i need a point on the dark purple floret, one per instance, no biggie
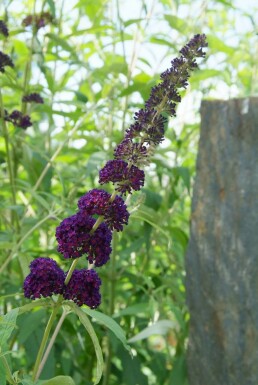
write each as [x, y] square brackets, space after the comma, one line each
[83, 288]
[46, 278]
[133, 153]
[20, 120]
[194, 47]
[3, 29]
[97, 202]
[148, 126]
[33, 98]
[100, 246]
[75, 239]
[5, 61]
[127, 178]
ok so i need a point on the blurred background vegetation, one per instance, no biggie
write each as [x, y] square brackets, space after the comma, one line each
[95, 66]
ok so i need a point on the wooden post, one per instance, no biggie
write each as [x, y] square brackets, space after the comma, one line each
[222, 257]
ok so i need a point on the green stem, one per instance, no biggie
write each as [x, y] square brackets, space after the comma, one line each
[8, 154]
[51, 343]
[97, 223]
[38, 364]
[45, 338]
[70, 272]
[9, 158]
[112, 286]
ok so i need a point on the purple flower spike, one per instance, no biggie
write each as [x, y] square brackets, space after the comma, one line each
[3, 29]
[98, 202]
[164, 96]
[127, 178]
[45, 279]
[5, 61]
[33, 98]
[74, 239]
[83, 288]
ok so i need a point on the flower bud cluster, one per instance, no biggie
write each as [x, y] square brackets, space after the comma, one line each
[38, 21]
[82, 233]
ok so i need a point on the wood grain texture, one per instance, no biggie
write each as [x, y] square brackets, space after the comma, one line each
[222, 257]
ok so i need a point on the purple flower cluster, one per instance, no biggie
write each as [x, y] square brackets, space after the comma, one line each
[46, 279]
[83, 288]
[98, 202]
[3, 29]
[5, 61]
[82, 233]
[75, 238]
[126, 177]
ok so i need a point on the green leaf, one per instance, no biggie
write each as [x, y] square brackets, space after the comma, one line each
[2, 374]
[132, 21]
[134, 309]
[216, 44]
[8, 323]
[161, 41]
[30, 323]
[38, 303]
[81, 97]
[62, 42]
[159, 327]
[205, 74]
[88, 326]
[176, 23]
[30, 382]
[59, 380]
[150, 216]
[52, 7]
[110, 324]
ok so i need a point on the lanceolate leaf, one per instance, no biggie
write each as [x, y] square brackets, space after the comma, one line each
[88, 326]
[160, 327]
[64, 380]
[7, 323]
[110, 324]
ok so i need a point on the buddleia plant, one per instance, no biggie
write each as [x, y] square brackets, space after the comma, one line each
[87, 234]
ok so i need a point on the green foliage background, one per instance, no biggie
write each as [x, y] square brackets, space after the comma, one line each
[94, 67]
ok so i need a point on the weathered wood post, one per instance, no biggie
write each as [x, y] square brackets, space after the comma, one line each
[222, 257]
